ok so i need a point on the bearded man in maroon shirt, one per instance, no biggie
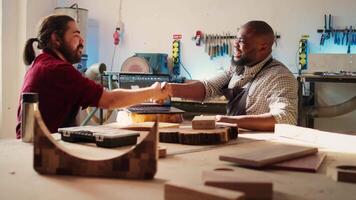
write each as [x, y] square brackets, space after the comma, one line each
[61, 88]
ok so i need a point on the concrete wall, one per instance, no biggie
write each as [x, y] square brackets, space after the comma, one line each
[149, 26]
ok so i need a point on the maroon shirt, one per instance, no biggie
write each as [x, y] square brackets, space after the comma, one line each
[62, 90]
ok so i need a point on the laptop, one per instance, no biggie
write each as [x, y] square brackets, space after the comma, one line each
[139, 80]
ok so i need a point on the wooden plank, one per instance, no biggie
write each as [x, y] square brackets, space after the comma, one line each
[204, 122]
[269, 153]
[179, 191]
[310, 163]
[253, 187]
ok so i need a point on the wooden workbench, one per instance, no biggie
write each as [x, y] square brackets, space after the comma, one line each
[184, 163]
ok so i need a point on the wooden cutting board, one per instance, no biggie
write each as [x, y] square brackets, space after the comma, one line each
[310, 163]
[266, 153]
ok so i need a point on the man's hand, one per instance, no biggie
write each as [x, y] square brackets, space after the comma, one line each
[167, 87]
[160, 92]
[226, 119]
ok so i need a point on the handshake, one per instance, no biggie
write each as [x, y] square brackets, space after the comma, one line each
[161, 91]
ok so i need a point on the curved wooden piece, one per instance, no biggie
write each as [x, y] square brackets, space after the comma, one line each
[50, 157]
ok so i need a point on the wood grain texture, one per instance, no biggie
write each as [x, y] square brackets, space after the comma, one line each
[204, 122]
[253, 187]
[50, 157]
[190, 136]
[180, 191]
[269, 153]
[310, 163]
[170, 118]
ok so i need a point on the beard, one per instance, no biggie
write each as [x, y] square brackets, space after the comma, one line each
[246, 59]
[242, 61]
[72, 56]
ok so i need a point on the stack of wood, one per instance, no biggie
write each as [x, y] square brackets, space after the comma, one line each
[204, 131]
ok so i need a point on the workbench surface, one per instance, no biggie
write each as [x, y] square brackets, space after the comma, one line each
[184, 163]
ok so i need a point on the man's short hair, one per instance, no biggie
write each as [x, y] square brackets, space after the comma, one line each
[260, 27]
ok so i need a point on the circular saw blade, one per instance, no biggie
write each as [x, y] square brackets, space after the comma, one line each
[135, 64]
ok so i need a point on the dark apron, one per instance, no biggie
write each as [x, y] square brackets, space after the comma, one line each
[237, 96]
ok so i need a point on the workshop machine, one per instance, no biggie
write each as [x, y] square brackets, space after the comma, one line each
[156, 63]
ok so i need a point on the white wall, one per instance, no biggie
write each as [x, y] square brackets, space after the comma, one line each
[9, 67]
[1, 39]
[149, 26]
[20, 18]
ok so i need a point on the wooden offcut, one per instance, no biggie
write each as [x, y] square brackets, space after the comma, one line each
[343, 173]
[253, 187]
[267, 153]
[310, 163]
[180, 191]
[162, 152]
[51, 157]
[204, 122]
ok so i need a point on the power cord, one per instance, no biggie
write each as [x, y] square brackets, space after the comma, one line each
[185, 69]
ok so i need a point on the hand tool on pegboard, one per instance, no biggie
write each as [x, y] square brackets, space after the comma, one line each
[206, 43]
[326, 27]
[198, 38]
[324, 34]
[349, 40]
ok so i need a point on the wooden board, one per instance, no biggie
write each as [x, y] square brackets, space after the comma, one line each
[204, 122]
[254, 188]
[180, 191]
[310, 163]
[190, 136]
[269, 153]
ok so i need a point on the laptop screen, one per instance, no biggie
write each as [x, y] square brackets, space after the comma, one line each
[140, 80]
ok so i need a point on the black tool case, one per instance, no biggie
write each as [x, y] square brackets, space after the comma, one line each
[100, 135]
